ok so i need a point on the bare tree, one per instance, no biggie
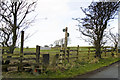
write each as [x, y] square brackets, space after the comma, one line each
[95, 23]
[113, 37]
[13, 19]
[61, 41]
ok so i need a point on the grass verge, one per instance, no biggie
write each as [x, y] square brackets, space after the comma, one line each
[67, 71]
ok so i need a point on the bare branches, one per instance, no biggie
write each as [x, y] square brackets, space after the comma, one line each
[95, 23]
[12, 17]
[113, 37]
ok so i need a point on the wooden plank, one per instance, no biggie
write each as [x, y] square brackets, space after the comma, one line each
[72, 54]
[73, 50]
[29, 53]
[51, 52]
[92, 50]
[29, 59]
[84, 51]
[71, 57]
[31, 63]
[10, 54]
[13, 58]
[10, 65]
[86, 47]
[44, 52]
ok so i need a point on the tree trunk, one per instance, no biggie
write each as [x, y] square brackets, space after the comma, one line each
[98, 52]
[98, 49]
[115, 47]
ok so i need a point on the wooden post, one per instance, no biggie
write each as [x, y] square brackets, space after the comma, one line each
[2, 51]
[105, 51]
[116, 51]
[112, 54]
[68, 52]
[21, 50]
[77, 52]
[35, 72]
[37, 53]
[22, 41]
[65, 46]
[88, 52]
[45, 61]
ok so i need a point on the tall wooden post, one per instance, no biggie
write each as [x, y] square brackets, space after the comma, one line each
[65, 46]
[21, 50]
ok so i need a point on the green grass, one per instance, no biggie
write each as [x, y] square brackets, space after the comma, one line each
[77, 69]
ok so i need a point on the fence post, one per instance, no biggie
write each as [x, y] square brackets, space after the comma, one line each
[21, 51]
[65, 45]
[88, 52]
[2, 51]
[37, 53]
[45, 61]
[112, 54]
[68, 55]
[77, 51]
[116, 51]
[37, 60]
[105, 51]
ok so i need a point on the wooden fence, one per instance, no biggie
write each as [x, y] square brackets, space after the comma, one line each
[40, 60]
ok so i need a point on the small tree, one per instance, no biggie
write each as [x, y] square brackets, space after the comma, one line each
[51, 45]
[95, 23]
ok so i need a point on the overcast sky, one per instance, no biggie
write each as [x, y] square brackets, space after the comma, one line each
[52, 17]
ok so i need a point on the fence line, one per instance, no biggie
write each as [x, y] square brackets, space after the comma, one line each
[40, 59]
